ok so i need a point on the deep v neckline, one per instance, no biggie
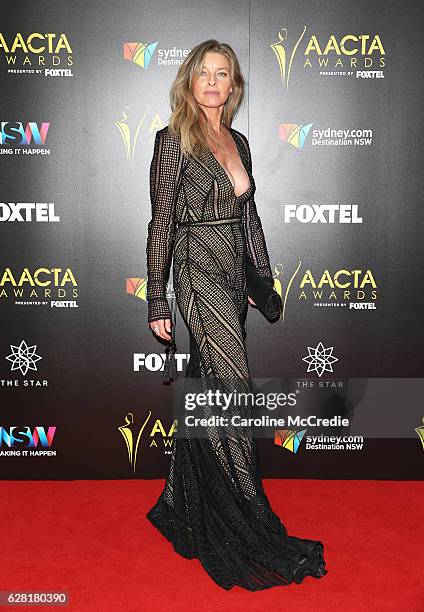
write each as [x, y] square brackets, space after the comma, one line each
[221, 167]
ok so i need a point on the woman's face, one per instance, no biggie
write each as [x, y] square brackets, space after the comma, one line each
[213, 86]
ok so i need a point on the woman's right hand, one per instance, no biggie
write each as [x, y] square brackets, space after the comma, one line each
[162, 328]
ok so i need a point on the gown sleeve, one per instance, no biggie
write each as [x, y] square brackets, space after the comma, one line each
[165, 171]
[253, 231]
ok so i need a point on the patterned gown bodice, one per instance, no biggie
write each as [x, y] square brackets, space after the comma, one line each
[188, 190]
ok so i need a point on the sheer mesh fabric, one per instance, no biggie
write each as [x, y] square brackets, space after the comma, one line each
[213, 506]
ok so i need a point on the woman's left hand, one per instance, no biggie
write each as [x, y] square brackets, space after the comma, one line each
[251, 301]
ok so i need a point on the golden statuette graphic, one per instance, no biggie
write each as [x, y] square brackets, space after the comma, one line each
[420, 432]
[280, 51]
[131, 437]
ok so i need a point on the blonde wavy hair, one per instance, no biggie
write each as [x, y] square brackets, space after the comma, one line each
[185, 120]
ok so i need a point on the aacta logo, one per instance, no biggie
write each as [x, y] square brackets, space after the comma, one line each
[52, 44]
[42, 277]
[348, 45]
[342, 284]
[132, 433]
[130, 130]
[420, 432]
[355, 51]
[341, 279]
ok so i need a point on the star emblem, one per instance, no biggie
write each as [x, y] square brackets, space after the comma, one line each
[23, 357]
[319, 359]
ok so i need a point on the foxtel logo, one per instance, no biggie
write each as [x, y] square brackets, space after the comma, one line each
[28, 211]
[322, 213]
[154, 362]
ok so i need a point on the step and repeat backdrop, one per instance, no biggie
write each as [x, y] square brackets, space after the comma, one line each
[333, 113]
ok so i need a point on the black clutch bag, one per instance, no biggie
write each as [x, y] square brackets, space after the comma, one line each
[262, 292]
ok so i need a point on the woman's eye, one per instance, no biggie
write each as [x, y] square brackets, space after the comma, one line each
[203, 72]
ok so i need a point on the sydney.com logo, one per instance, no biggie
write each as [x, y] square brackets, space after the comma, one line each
[298, 135]
[291, 441]
[141, 54]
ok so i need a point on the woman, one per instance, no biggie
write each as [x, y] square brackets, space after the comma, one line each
[213, 505]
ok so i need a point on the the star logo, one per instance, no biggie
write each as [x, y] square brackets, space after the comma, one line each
[23, 357]
[320, 359]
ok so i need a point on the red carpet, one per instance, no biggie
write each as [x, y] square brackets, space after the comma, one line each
[91, 538]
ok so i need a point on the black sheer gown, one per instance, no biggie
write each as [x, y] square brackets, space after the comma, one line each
[213, 506]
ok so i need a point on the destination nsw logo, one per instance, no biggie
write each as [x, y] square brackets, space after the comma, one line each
[54, 287]
[297, 135]
[15, 440]
[15, 139]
